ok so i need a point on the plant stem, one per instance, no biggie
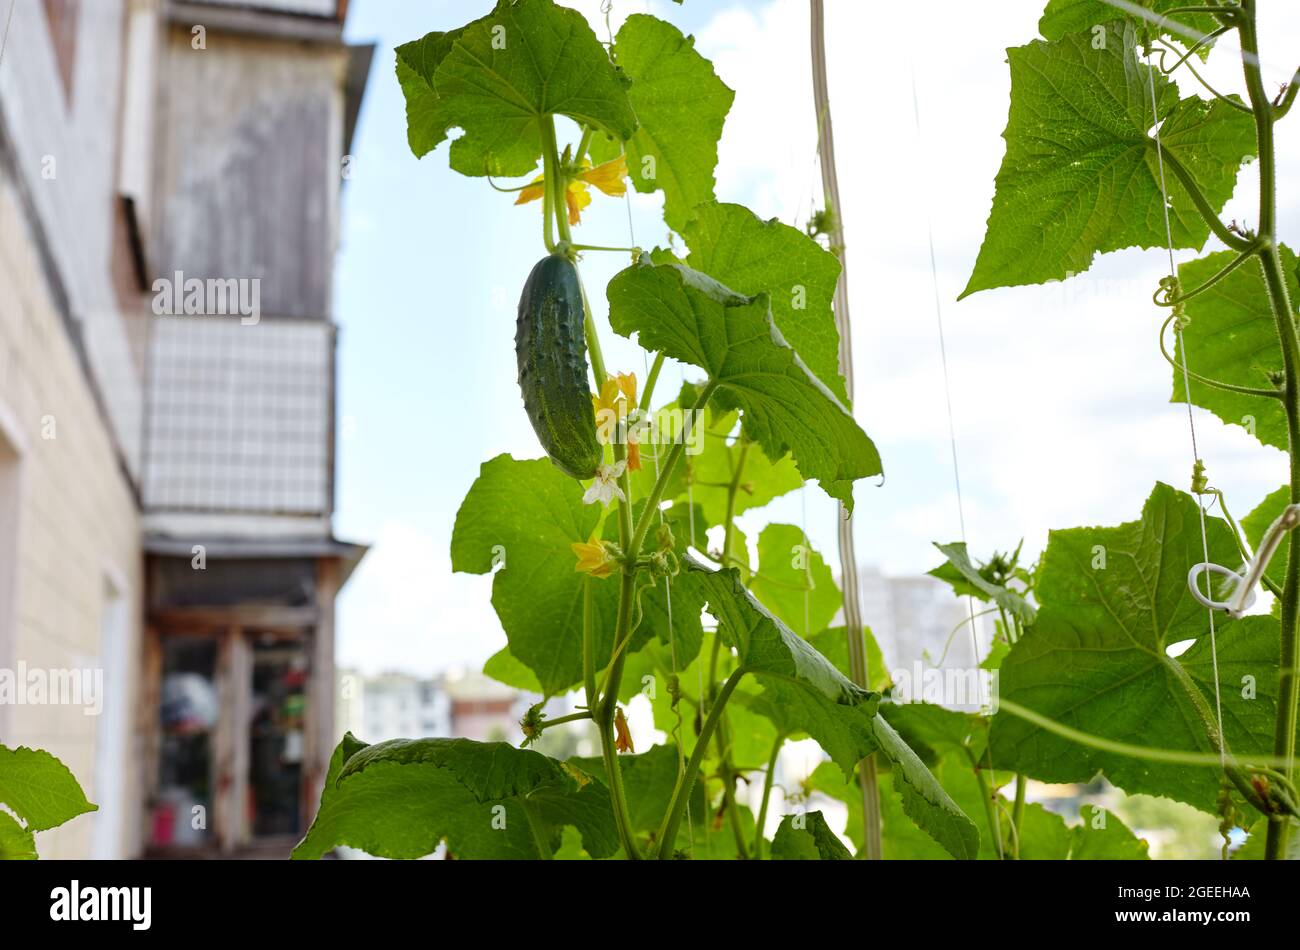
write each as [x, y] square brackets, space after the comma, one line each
[1206, 380]
[759, 837]
[1284, 736]
[728, 775]
[538, 829]
[854, 628]
[1018, 810]
[604, 717]
[651, 380]
[571, 717]
[588, 655]
[661, 483]
[551, 174]
[1234, 241]
[990, 811]
[682, 792]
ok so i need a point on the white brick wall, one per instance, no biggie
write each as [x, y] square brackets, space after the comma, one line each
[77, 523]
[76, 206]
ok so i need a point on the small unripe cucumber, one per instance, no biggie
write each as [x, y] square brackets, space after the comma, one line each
[551, 348]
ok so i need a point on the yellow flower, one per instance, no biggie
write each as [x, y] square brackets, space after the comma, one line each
[593, 558]
[622, 735]
[627, 385]
[608, 177]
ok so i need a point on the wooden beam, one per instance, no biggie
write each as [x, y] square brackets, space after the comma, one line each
[292, 620]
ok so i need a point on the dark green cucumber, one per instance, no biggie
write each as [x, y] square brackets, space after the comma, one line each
[551, 348]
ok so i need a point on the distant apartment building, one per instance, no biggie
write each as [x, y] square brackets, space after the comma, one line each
[455, 703]
[919, 618]
[169, 187]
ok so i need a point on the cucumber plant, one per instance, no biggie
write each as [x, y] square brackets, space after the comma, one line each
[605, 581]
[603, 569]
[1105, 152]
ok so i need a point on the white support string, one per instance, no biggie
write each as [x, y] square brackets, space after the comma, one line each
[952, 425]
[1206, 566]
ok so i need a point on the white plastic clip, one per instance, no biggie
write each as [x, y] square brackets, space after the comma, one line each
[1243, 593]
[1233, 609]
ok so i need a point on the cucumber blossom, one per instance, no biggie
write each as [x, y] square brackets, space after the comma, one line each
[551, 349]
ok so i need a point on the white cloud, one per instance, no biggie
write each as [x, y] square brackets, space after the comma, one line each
[405, 609]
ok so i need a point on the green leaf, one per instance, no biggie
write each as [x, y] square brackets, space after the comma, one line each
[1253, 847]
[933, 731]
[712, 467]
[648, 781]
[833, 643]
[693, 318]
[498, 76]
[401, 798]
[966, 579]
[680, 105]
[504, 667]
[16, 842]
[1113, 601]
[1070, 16]
[924, 800]
[1232, 337]
[804, 688]
[752, 256]
[793, 581]
[39, 789]
[1081, 175]
[807, 837]
[1113, 841]
[1256, 525]
[529, 512]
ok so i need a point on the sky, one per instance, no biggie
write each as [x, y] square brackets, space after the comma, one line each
[1059, 394]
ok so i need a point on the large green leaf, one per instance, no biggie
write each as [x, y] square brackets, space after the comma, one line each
[1081, 174]
[496, 77]
[529, 513]
[924, 800]
[807, 837]
[38, 788]
[680, 106]
[833, 643]
[1113, 601]
[801, 688]
[752, 256]
[401, 798]
[16, 842]
[1071, 16]
[693, 318]
[1232, 337]
[793, 581]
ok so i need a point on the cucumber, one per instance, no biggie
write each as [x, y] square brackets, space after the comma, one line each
[551, 349]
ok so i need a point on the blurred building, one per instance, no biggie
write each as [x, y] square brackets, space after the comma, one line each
[169, 183]
[456, 703]
[920, 619]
